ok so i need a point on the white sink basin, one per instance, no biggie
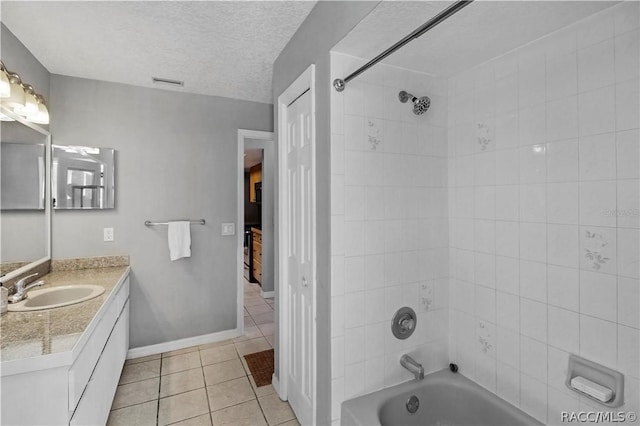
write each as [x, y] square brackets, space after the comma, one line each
[56, 297]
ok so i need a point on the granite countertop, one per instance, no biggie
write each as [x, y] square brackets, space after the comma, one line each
[31, 334]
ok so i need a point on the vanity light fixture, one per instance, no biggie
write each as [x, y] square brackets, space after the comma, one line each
[21, 98]
[5, 86]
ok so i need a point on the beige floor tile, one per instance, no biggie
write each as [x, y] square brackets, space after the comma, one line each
[180, 351]
[252, 346]
[217, 344]
[262, 390]
[267, 329]
[275, 410]
[263, 318]
[136, 393]
[253, 300]
[259, 309]
[245, 365]
[142, 359]
[293, 422]
[183, 381]
[218, 354]
[140, 371]
[248, 321]
[271, 339]
[245, 414]
[249, 333]
[204, 420]
[182, 362]
[182, 406]
[135, 415]
[223, 371]
[229, 393]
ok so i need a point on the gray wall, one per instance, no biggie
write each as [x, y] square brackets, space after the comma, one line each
[176, 157]
[327, 24]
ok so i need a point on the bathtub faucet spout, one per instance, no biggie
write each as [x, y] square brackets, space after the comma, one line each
[413, 366]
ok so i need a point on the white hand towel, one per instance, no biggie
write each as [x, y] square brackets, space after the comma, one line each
[179, 236]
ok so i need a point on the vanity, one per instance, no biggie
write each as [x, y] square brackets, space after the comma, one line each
[62, 365]
[61, 353]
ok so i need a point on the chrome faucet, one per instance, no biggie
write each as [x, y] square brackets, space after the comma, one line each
[413, 366]
[21, 290]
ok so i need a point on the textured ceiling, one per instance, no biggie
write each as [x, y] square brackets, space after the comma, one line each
[477, 33]
[252, 157]
[222, 48]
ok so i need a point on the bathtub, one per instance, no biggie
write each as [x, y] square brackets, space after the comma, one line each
[445, 398]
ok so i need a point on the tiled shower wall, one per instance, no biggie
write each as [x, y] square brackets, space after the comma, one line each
[389, 227]
[544, 213]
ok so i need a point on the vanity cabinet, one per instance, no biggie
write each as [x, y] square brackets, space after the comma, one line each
[75, 387]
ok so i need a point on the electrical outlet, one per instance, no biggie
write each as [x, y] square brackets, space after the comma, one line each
[108, 234]
[228, 228]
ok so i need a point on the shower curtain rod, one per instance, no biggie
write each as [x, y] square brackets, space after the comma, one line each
[339, 84]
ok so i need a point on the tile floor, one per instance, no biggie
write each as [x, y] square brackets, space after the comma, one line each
[204, 385]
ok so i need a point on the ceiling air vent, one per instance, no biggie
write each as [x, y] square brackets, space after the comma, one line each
[167, 81]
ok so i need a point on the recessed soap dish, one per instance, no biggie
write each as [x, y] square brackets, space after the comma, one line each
[596, 382]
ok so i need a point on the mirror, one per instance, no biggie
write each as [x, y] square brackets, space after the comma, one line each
[24, 206]
[83, 178]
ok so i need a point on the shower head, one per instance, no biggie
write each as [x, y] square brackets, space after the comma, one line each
[420, 105]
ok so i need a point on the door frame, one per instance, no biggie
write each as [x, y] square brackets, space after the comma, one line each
[242, 135]
[305, 82]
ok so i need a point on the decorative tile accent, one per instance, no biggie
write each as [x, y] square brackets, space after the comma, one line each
[593, 246]
[373, 133]
[483, 136]
[89, 262]
[485, 337]
[426, 295]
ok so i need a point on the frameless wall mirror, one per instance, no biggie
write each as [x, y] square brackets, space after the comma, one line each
[83, 177]
[24, 185]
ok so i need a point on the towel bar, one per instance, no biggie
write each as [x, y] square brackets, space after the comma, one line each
[196, 222]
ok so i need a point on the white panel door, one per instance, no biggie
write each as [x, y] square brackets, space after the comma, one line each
[301, 258]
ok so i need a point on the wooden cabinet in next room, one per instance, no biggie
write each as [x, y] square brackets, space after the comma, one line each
[257, 254]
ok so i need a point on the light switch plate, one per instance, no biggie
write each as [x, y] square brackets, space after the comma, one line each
[228, 229]
[108, 234]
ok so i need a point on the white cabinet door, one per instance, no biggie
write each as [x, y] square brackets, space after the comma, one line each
[95, 403]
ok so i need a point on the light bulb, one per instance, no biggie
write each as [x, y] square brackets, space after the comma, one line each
[16, 97]
[42, 115]
[5, 86]
[30, 103]
[5, 117]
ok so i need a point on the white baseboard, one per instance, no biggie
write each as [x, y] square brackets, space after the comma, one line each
[182, 343]
[267, 294]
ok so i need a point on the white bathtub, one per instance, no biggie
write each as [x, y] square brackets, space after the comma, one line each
[445, 398]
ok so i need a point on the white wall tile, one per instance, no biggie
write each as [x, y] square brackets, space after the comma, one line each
[562, 161]
[374, 271]
[598, 295]
[564, 329]
[337, 357]
[627, 109]
[507, 166]
[533, 241]
[563, 203]
[531, 84]
[596, 66]
[508, 311]
[354, 380]
[595, 199]
[595, 29]
[506, 98]
[532, 126]
[628, 153]
[533, 200]
[598, 340]
[627, 56]
[628, 252]
[374, 305]
[626, 16]
[560, 403]
[533, 357]
[629, 302]
[597, 111]
[628, 351]
[507, 202]
[557, 366]
[563, 287]
[562, 118]
[562, 245]
[598, 249]
[354, 345]
[354, 315]
[533, 319]
[508, 383]
[508, 275]
[562, 76]
[533, 280]
[598, 157]
[508, 350]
